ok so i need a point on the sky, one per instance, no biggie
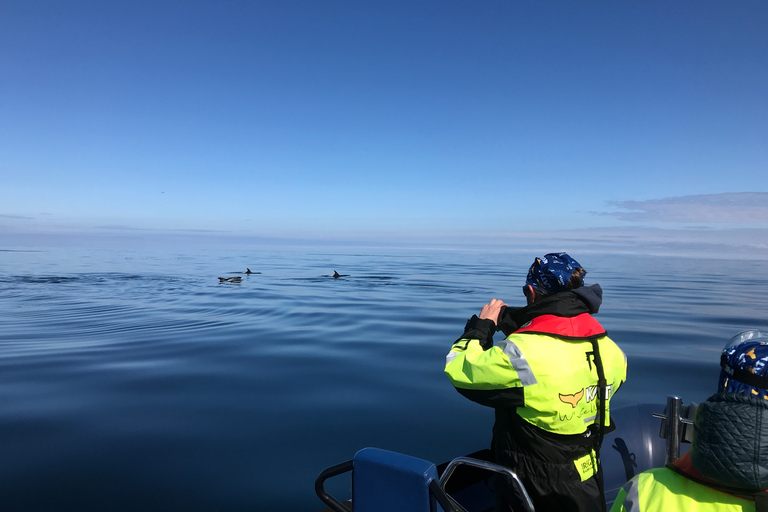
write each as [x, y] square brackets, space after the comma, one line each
[410, 118]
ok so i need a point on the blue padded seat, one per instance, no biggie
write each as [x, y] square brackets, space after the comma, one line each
[376, 473]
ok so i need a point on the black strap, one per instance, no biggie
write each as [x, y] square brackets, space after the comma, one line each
[749, 378]
[602, 392]
[759, 497]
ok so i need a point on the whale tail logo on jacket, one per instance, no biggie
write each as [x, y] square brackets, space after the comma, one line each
[572, 399]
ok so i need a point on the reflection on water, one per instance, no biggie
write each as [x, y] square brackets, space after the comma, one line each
[138, 381]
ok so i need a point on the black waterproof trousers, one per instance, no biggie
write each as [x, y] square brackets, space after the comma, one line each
[545, 464]
[552, 487]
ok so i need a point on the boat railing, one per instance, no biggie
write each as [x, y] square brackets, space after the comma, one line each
[332, 503]
[505, 472]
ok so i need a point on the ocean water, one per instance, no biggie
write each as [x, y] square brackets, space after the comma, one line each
[135, 380]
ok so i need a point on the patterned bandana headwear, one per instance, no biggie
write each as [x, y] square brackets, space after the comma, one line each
[744, 365]
[552, 272]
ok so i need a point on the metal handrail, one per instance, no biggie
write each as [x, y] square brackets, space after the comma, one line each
[489, 466]
[326, 498]
[442, 497]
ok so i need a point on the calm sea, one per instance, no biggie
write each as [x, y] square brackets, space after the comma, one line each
[138, 381]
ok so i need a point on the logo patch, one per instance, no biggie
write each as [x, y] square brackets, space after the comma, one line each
[572, 399]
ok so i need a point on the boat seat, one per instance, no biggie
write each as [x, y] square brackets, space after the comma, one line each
[378, 472]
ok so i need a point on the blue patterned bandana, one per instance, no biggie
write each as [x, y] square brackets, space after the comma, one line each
[552, 272]
[745, 365]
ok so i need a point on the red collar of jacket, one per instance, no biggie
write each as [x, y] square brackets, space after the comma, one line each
[684, 464]
[574, 327]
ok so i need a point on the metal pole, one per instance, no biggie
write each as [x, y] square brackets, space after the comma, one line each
[674, 407]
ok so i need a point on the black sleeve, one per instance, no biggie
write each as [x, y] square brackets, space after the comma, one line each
[508, 321]
[479, 329]
[496, 398]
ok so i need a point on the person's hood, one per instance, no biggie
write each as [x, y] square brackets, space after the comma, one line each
[585, 299]
[591, 295]
[730, 441]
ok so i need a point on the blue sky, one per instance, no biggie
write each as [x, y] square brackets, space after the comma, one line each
[338, 118]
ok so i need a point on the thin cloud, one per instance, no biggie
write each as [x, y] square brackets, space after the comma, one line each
[123, 227]
[728, 208]
[15, 217]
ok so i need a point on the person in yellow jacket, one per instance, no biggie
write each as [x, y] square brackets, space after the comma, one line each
[727, 467]
[550, 382]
